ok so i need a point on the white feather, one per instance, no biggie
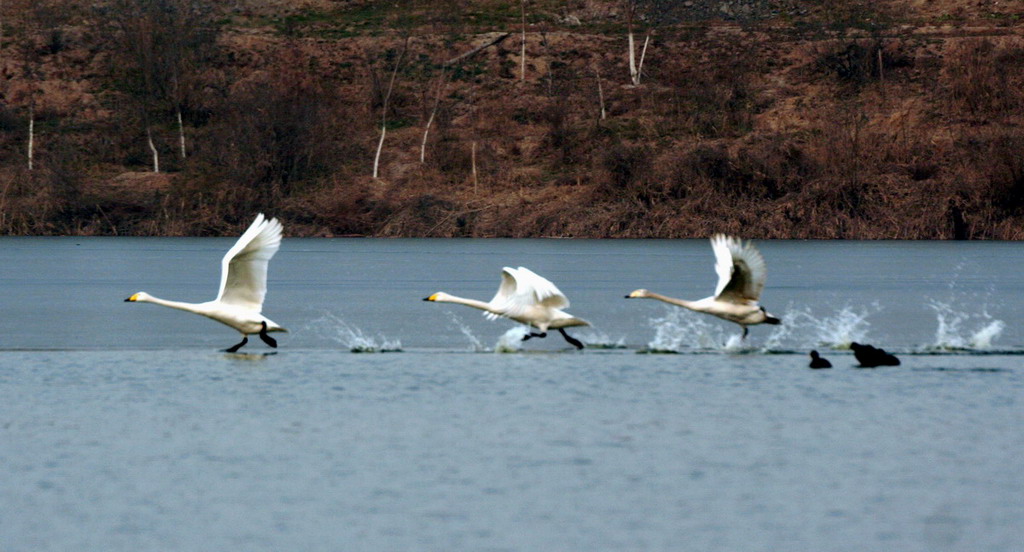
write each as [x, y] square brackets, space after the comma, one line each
[523, 296]
[741, 276]
[243, 281]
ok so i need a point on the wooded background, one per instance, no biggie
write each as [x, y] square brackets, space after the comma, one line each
[769, 119]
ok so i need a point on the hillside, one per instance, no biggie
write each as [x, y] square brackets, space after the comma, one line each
[767, 118]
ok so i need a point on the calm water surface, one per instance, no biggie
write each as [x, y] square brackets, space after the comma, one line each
[123, 428]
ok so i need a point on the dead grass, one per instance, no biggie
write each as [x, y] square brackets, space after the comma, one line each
[799, 127]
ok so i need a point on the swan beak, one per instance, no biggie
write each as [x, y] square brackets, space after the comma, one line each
[131, 299]
[431, 298]
[636, 293]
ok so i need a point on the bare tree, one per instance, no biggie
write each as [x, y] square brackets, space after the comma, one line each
[158, 43]
[37, 16]
[632, 9]
[384, 107]
[439, 88]
[522, 53]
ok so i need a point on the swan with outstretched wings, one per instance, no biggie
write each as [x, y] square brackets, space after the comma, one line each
[243, 285]
[741, 275]
[527, 298]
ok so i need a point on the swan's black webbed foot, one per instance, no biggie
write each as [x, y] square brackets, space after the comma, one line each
[534, 334]
[266, 337]
[245, 339]
[745, 332]
[572, 340]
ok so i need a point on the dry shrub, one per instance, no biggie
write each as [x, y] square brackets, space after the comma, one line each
[716, 98]
[624, 173]
[981, 77]
[341, 206]
[1006, 174]
[766, 169]
[859, 62]
[41, 201]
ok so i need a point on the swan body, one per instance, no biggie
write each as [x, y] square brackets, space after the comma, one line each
[527, 298]
[243, 285]
[741, 275]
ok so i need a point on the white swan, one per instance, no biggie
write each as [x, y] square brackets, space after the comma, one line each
[527, 298]
[243, 284]
[741, 275]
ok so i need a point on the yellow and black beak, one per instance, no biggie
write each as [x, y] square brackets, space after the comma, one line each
[431, 298]
[132, 299]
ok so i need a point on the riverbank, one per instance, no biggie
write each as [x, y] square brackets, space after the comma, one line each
[770, 119]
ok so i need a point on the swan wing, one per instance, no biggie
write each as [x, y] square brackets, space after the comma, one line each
[243, 278]
[540, 290]
[506, 291]
[522, 289]
[741, 269]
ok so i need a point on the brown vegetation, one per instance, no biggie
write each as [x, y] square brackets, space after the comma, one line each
[782, 119]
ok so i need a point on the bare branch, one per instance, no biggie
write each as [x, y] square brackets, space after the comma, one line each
[384, 108]
[474, 51]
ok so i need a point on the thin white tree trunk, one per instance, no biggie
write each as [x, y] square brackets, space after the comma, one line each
[384, 109]
[380, 146]
[472, 157]
[640, 66]
[181, 133]
[522, 61]
[881, 73]
[600, 92]
[426, 131]
[152, 148]
[31, 134]
[632, 58]
[442, 84]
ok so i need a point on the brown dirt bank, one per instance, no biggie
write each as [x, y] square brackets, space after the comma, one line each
[770, 119]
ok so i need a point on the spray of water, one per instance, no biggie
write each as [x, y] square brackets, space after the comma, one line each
[512, 340]
[354, 339]
[835, 331]
[958, 330]
[595, 339]
[681, 330]
[474, 341]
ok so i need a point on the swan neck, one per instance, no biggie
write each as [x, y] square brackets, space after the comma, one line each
[692, 305]
[484, 306]
[180, 305]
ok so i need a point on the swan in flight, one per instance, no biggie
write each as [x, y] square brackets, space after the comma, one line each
[243, 284]
[741, 275]
[527, 298]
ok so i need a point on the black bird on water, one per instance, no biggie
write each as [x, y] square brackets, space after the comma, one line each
[870, 357]
[818, 362]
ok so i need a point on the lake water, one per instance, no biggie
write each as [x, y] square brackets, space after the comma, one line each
[122, 426]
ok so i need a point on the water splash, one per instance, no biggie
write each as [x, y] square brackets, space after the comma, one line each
[599, 340]
[835, 331]
[474, 341]
[512, 340]
[680, 330]
[958, 330]
[335, 328]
